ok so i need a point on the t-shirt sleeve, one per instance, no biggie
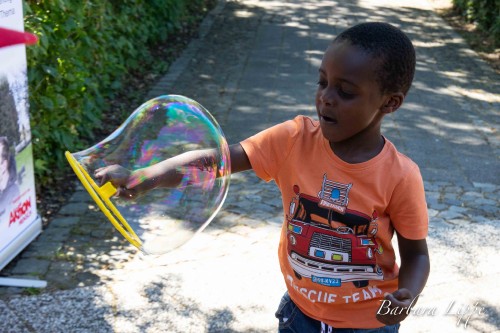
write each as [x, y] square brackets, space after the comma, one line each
[268, 150]
[408, 208]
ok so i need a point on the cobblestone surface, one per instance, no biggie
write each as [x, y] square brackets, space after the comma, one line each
[256, 65]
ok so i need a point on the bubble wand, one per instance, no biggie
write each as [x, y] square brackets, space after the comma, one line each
[159, 130]
[101, 195]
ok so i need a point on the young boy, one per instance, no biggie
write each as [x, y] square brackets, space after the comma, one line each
[345, 190]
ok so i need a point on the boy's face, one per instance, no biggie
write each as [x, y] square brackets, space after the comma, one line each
[348, 99]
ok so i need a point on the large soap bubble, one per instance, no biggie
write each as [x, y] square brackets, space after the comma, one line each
[164, 127]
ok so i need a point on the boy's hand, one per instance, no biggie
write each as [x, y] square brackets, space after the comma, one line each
[412, 277]
[395, 307]
[116, 174]
[119, 177]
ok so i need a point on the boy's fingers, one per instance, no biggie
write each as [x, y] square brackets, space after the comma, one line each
[106, 168]
[100, 174]
[125, 193]
[103, 177]
[101, 170]
[400, 298]
[403, 294]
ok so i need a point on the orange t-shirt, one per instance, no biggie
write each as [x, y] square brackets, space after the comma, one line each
[335, 249]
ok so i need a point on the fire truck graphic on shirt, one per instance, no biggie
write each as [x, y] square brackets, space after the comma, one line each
[330, 243]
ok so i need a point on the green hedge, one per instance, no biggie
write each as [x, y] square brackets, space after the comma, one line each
[85, 51]
[485, 13]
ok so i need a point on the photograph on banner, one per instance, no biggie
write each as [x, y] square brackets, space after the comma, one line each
[17, 183]
[16, 171]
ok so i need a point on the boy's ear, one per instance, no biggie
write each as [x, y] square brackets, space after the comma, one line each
[393, 102]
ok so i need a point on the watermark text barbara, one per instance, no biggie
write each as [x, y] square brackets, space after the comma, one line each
[462, 312]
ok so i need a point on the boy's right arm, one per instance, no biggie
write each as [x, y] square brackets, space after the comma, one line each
[167, 173]
[239, 159]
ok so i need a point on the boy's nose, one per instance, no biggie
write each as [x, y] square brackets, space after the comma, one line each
[328, 97]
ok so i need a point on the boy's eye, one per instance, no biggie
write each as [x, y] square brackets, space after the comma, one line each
[322, 83]
[344, 94]
[345, 91]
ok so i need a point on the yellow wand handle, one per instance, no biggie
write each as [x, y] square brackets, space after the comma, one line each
[101, 197]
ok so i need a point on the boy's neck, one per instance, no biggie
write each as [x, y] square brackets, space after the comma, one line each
[356, 151]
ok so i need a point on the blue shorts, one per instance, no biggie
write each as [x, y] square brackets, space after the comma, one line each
[292, 320]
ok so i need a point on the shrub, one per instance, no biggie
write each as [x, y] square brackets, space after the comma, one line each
[485, 13]
[85, 52]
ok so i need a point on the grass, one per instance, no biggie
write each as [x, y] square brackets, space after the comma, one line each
[32, 291]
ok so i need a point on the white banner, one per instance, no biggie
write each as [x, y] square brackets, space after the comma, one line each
[19, 222]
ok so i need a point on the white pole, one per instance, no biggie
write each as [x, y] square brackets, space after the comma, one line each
[23, 283]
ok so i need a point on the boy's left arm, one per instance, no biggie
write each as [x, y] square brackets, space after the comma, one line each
[413, 274]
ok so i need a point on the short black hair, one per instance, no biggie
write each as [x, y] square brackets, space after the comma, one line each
[391, 47]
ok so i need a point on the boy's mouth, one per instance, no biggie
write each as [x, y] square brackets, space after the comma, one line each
[328, 119]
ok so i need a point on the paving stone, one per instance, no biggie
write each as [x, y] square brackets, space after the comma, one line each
[436, 220]
[485, 202]
[432, 212]
[492, 195]
[45, 250]
[431, 187]
[100, 234]
[64, 222]
[86, 279]
[81, 196]
[54, 235]
[458, 209]
[469, 195]
[485, 186]
[62, 275]
[6, 292]
[31, 266]
[480, 219]
[458, 221]
[490, 210]
[453, 202]
[74, 209]
[438, 206]
[275, 220]
[450, 214]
